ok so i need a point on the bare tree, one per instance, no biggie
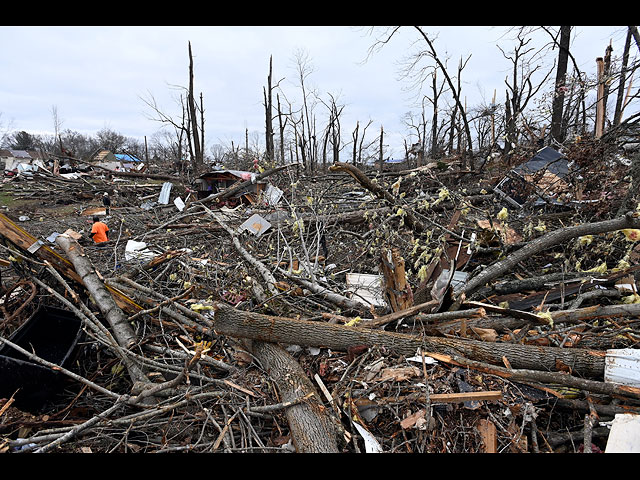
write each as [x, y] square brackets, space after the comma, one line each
[306, 132]
[432, 53]
[179, 140]
[617, 116]
[521, 89]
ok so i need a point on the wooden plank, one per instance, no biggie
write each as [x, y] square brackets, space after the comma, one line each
[465, 396]
[487, 431]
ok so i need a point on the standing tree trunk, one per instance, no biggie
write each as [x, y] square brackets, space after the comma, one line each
[268, 105]
[381, 156]
[281, 130]
[197, 160]
[561, 78]
[454, 91]
[617, 116]
[599, 127]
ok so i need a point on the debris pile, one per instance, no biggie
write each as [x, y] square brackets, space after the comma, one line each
[428, 310]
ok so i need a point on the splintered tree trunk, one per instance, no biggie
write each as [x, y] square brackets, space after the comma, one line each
[397, 289]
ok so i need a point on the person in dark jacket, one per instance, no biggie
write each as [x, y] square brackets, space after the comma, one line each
[106, 201]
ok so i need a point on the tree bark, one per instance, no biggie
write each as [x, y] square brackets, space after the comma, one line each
[561, 74]
[312, 429]
[397, 289]
[268, 105]
[236, 323]
[617, 116]
[197, 160]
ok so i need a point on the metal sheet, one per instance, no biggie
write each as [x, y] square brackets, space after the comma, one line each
[164, 193]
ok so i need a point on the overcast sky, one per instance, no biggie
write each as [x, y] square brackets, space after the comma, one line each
[95, 76]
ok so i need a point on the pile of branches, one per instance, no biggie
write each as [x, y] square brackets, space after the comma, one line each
[217, 339]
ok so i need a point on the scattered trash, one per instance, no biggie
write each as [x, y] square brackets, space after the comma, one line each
[255, 224]
[371, 445]
[273, 195]
[179, 203]
[137, 251]
[443, 282]
[35, 246]
[163, 199]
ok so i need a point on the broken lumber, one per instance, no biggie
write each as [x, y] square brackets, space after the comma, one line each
[396, 288]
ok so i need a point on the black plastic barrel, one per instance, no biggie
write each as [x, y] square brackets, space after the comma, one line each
[53, 335]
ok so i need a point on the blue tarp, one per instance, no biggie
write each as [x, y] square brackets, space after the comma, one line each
[125, 157]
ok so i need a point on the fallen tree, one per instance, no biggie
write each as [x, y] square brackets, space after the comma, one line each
[120, 326]
[237, 323]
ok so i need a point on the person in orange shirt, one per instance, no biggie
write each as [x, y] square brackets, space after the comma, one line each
[99, 231]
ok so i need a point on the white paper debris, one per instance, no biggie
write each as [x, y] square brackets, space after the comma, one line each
[371, 445]
[137, 251]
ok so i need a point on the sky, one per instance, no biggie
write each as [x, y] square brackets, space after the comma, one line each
[96, 77]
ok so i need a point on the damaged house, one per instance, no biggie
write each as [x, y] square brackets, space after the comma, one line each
[544, 178]
[118, 162]
[19, 161]
[219, 180]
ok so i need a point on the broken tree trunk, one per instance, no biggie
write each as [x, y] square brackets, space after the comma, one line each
[396, 288]
[629, 220]
[236, 323]
[122, 331]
